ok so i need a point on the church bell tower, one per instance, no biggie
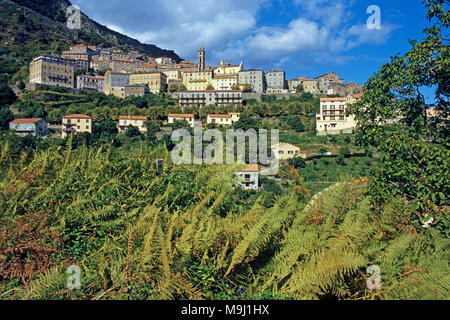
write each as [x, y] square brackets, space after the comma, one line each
[201, 59]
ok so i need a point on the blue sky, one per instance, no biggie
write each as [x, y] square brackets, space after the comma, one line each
[303, 37]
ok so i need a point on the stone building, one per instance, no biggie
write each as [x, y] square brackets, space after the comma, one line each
[205, 98]
[54, 71]
[136, 90]
[86, 82]
[255, 78]
[156, 81]
[115, 83]
[276, 79]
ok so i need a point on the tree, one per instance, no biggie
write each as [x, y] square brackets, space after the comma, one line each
[7, 96]
[246, 123]
[6, 116]
[300, 89]
[414, 154]
[209, 87]
[248, 88]
[132, 132]
[104, 130]
[153, 127]
[297, 162]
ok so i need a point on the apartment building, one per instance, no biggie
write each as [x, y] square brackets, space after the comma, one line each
[76, 123]
[255, 78]
[197, 80]
[136, 90]
[156, 81]
[146, 68]
[81, 64]
[134, 54]
[309, 85]
[248, 178]
[122, 65]
[51, 70]
[165, 61]
[136, 121]
[172, 117]
[332, 118]
[120, 55]
[26, 126]
[225, 82]
[205, 98]
[327, 80]
[173, 75]
[85, 82]
[276, 79]
[115, 83]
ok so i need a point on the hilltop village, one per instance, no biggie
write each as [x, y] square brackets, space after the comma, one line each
[123, 74]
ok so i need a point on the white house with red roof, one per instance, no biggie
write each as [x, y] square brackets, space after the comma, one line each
[76, 123]
[25, 126]
[136, 121]
[172, 117]
[248, 177]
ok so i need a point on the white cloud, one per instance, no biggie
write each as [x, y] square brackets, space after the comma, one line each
[232, 30]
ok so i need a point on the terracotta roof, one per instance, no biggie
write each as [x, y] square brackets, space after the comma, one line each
[133, 117]
[92, 77]
[189, 91]
[26, 120]
[219, 115]
[332, 99]
[357, 96]
[180, 115]
[122, 60]
[251, 168]
[225, 77]
[81, 116]
[188, 70]
[307, 79]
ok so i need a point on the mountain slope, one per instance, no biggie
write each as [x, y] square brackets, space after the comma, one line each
[91, 30]
[29, 28]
